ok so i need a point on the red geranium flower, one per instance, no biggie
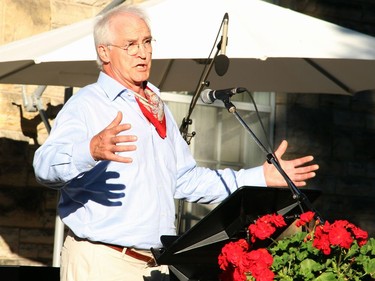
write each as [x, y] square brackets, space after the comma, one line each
[321, 240]
[265, 226]
[277, 220]
[339, 236]
[359, 234]
[261, 230]
[231, 253]
[258, 263]
[305, 218]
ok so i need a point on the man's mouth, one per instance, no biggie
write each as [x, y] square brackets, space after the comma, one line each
[141, 66]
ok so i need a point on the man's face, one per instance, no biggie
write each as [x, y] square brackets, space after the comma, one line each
[131, 66]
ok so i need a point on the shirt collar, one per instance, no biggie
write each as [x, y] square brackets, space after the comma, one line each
[113, 89]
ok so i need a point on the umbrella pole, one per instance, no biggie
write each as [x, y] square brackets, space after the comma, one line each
[272, 159]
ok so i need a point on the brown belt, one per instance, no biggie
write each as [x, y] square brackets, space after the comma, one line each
[131, 253]
[128, 251]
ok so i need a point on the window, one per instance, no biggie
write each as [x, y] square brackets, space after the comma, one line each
[221, 141]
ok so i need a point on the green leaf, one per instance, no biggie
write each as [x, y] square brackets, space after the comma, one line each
[368, 248]
[327, 276]
[354, 250]
[369, 266]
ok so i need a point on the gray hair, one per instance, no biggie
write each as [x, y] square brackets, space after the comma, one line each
[102, 27]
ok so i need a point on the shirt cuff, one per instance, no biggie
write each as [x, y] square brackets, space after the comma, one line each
[82, 158]
[251, 177]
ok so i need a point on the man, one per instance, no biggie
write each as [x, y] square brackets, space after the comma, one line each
[119, 160]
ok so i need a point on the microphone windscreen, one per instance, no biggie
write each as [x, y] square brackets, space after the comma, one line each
[205, 96]
[221, 64]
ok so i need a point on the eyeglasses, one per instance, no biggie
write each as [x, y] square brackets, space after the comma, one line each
[133, 49]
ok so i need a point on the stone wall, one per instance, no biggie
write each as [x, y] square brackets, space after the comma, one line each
[28, 210]
[340, 132]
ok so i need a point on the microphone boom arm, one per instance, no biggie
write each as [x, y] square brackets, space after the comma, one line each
[271, 159]
[202, 83]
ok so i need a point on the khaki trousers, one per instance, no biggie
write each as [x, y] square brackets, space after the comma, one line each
[86, 261]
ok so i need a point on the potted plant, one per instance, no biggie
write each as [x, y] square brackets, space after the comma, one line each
[319, 251]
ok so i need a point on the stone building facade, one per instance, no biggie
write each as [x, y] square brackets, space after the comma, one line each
[338, 130]
[28, 210]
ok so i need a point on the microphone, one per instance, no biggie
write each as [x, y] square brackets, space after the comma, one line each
[208, 96]
[222, 61]
[224, 37]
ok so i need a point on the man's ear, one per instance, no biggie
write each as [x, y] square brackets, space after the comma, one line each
[103, 53]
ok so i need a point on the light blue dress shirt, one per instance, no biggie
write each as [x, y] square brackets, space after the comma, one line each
[132, 204]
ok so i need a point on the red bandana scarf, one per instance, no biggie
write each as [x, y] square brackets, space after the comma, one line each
[152, 108]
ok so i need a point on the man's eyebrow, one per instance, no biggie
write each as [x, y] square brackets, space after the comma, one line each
[135, 40]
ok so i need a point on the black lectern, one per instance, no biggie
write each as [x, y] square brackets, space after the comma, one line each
[193, 255]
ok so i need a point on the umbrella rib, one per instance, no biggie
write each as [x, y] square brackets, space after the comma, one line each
[17, 70]
[329, 76]
[165, 74]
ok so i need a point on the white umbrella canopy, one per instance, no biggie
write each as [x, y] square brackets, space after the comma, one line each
[270, 49]
[61, 57]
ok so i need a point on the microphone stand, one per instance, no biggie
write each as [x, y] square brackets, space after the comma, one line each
[184, 128]
[203, 83]
[271, 159]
